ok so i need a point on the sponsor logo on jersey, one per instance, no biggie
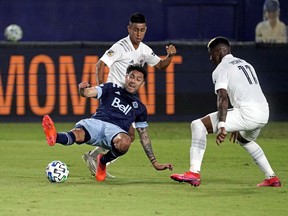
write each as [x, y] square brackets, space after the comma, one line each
[117, 104]
[110, 53]
[135, 104]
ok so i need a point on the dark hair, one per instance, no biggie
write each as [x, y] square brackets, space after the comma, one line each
[218, 40]
[137, 67]
[137, 18]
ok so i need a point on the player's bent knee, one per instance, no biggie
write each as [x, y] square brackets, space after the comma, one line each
[197, 125]
[79, 135]
[241, 140]
[122, 143]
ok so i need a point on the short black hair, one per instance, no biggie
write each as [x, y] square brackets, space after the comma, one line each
[218, 40]
[137, 18]
[137, 67]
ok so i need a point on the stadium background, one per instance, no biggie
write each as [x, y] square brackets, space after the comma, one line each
[66, 38]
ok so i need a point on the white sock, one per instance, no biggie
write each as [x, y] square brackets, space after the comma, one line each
[259, 157]
[98, 150]
[198, 145]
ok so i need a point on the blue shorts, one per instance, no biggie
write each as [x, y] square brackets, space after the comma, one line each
[102, 133]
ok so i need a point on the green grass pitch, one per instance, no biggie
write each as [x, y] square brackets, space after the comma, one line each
[229, 176]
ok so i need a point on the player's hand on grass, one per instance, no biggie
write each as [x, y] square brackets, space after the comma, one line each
[221, 135]
[158, 166]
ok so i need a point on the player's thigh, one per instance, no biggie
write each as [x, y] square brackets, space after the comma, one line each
[94, 127]
[112, 131]
[234, 121]
[250, 134]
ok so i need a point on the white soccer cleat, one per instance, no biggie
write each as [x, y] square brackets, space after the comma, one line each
[92, 165]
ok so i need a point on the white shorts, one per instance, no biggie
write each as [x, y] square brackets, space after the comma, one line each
[102, 133]
[249, 130]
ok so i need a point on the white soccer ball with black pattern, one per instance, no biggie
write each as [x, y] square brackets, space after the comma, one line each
[57, 171]
[13, 32]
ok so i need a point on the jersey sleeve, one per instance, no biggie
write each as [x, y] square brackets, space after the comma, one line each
[102, 90]
[141, 120]
[220, 78]
[111, 55]
[150, 57]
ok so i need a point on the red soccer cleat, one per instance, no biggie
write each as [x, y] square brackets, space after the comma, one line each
[271, 182]
[49, 129]
[189, 177]
[101, 169]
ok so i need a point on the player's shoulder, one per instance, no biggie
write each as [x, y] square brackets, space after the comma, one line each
[145, 47]
[262, 25]
[124, 45]
[110, 85]
[282, 24]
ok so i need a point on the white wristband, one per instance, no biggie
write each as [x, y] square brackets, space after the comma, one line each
[221, 124]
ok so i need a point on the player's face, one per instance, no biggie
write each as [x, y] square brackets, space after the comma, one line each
[134, 80]
[214, 56]
[272, 15]
[137, 32]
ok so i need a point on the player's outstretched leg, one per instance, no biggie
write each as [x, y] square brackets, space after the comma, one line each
[49, 130]
[188, 177]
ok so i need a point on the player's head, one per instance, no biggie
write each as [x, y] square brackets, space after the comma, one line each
[218, 47]
[137, 18]
[135, 78]
[271, 5]
[271, 9]
[137, 28]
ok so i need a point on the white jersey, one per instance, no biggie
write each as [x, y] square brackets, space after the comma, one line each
[266, 34]
[122, 54]
[240, 80]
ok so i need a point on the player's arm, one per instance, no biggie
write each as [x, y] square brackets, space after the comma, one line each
[146, 144]
[164, 63]
[222, 104]
[100, 65]
[86, 91]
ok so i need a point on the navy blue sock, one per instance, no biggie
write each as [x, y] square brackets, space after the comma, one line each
[111, 155]
[65, 138]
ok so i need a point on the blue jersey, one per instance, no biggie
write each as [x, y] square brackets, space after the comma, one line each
[120, 107]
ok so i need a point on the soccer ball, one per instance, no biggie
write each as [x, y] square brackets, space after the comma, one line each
[57, 171]
[13, 32]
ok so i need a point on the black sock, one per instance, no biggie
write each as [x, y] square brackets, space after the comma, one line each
[111, 155]
[65, 138]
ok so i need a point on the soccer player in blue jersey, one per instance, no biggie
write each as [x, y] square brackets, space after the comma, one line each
[127, 51]
[109, 126]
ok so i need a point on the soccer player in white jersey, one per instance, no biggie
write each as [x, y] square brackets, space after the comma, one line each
[127, 51]
[234, 80]
[109, 126]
